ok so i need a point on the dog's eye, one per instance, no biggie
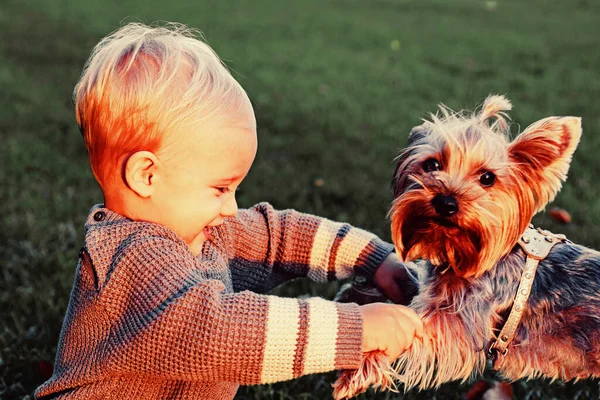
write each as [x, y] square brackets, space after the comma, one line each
[431, 165]
[487, 179]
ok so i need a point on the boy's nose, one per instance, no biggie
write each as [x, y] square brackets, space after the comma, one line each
[230, 207]
[445, 206]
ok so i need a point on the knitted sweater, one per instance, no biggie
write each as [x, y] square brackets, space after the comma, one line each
[148, 319]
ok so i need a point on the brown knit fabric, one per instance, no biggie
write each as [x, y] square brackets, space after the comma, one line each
[147, 319]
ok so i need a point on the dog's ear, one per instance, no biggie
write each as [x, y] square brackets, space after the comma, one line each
[418, 133]
[541, 156]
[416, 136]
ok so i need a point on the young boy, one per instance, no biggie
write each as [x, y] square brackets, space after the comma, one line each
[166, 301]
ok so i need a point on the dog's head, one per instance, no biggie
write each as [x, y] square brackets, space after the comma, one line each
[464, 193]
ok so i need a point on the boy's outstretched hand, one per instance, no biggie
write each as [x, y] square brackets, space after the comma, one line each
[389, 328]
[391, 278]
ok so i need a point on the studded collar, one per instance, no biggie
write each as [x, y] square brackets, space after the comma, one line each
[537, 244]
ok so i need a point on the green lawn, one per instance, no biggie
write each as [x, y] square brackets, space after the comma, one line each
[336, 86]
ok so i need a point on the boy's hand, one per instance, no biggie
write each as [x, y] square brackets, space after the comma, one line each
[389, 328]
[392, 279]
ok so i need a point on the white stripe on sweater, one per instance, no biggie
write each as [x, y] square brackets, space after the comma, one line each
[281, 337]
[322, 336]
[350, 248]
[321, 249]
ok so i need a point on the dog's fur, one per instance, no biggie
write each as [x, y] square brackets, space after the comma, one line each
[472, 264]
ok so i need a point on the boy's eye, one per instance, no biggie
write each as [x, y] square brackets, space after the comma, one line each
[487, 179]
[431, 165]
[223, 190]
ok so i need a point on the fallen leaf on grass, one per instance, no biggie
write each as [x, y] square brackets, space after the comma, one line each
[560, 215]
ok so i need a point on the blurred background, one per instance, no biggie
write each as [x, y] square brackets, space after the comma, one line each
[336, 85]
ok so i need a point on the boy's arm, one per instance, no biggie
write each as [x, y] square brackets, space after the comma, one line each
[168, 320]
[271, 247]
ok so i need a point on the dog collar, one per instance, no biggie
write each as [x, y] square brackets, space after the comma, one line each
[537, 244]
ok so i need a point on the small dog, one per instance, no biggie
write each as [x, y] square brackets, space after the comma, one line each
[464, 196]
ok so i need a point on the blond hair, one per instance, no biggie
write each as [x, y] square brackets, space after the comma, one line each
[141, 82]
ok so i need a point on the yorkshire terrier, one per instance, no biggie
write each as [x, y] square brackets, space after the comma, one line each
[492, 290]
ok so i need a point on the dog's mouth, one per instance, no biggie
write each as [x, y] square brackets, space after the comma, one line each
[419, 230]
[445, 222]
[442, 241]
[423, 228]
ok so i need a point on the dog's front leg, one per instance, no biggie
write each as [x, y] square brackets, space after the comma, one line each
[448, 351]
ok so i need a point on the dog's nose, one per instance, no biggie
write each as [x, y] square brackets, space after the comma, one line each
[445, 206]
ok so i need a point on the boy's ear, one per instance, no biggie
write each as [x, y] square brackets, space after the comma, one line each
[140, 170]
[541, 155]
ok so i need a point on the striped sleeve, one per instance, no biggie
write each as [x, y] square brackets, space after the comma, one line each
[310, 336]
[272, 246]
[167, 321]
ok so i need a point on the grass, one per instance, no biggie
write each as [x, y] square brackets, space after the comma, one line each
[336, 84]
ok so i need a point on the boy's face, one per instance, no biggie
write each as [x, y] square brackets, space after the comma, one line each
[202, 171]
